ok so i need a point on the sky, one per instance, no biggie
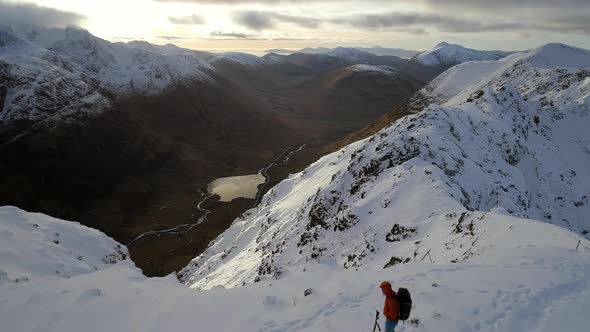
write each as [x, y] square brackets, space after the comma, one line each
[257, 25]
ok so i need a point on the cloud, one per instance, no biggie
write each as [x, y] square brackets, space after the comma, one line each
[232, 35]
[496, 4]
[172, 37]
[28, 14]
[510, 4]
[444, 23]
[421, 22]
[522, 17]
[187, 20]
[254, 20]
[441, 23]
[272, 2]
[260, 20]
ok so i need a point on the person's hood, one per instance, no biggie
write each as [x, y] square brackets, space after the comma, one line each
[387, 290]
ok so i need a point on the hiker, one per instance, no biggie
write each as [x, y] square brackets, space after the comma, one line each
[390, 308]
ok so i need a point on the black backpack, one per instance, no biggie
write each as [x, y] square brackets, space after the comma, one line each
[404, 301]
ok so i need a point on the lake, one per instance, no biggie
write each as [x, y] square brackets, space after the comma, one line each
[233, 187]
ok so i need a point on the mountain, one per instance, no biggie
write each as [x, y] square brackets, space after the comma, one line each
[49, 74]
[471, 199]
[91, 131]
[376, 50]
[499, 161]
[125, 137]
[399, 52]
[355, 94]
[445, 54]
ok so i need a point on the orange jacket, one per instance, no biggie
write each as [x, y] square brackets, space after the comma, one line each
[391, 307]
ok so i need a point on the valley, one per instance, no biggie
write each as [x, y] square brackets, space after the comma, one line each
[135, 159]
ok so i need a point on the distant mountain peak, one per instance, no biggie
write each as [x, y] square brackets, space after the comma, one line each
[442, 44]
[553, 55]
[445, 54]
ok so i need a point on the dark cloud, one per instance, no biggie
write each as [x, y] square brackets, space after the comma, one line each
[443, 23]
[451, 16]
[417, 20]
[254, 20]
[510, 4]
[187, 20]
[28, 14]
[421, 23]
[483, 4]
[260, 20]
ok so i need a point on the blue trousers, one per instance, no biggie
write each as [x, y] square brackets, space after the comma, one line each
[390, 325]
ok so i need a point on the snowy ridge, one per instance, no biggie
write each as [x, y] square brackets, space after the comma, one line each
[385, 70]
[451, 54]
[35, 247]
[346, 52]
[376, 50]
[455, 179]
[243, 59]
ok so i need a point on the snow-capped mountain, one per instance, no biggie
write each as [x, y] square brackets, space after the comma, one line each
[120, 67]
[445, 54]
[376, 50]
[501, 161]
[46, 74]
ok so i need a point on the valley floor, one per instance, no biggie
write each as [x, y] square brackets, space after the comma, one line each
[528, 289]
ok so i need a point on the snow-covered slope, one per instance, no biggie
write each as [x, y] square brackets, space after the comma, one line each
[34, 247]
[502, 292]
[454, 179]
[446, 54]
[385, 70]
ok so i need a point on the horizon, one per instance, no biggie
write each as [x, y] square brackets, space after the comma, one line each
[254, 26]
